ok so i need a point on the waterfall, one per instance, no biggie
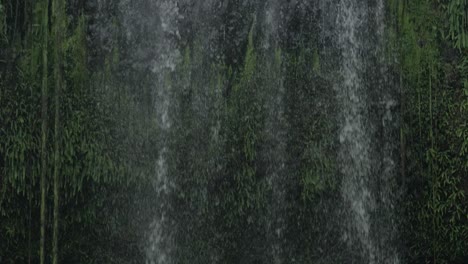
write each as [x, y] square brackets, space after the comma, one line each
[275, 130]
[320, 144]
[366, 186]
[151, 29]
[161, 239]
[354, 137]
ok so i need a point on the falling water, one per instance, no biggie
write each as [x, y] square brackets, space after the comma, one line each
[275, 130]
[161, 240]
[354, 136]
[151, 28]
[350, 86]
[358, 135]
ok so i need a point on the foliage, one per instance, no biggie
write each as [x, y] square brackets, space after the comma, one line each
[433, 92]
[255, 140]
[457, 14]
[89, 166]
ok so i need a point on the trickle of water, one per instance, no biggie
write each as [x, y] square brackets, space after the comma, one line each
[152, 30]
[358, 140]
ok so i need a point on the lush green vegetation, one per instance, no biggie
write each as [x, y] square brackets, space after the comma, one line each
[79, 141]
[433, 56]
